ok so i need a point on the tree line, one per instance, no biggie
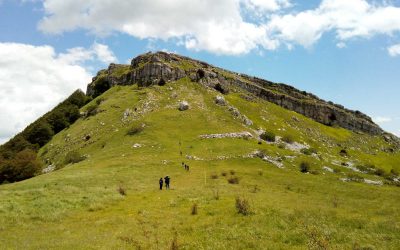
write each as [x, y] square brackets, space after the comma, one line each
[18, 156]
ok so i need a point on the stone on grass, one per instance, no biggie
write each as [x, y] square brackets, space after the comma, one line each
[184, 105]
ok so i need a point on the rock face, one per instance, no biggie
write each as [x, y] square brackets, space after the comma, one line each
[160, 68]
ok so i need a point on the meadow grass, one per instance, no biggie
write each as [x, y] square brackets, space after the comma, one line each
[81, 206]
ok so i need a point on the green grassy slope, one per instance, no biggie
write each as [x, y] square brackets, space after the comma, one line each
[79, 206]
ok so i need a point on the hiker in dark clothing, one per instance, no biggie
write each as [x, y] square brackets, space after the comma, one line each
[161, 183]
[166, 179]
[187, 167]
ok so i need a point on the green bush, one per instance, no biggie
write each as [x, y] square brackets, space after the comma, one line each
[101, 86]
[73, 157]
[35, 136]
[135, 129]
[92, 109]
[233, 180]
[242, 206]
[268, 136]
[304, 167]
[380, 172]
[57, 121]
[39, 133]
[23, 166]
[354, 177]
[308, 151]
[343, 152]
[288, 139]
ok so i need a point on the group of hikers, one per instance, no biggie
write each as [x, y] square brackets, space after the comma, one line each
[185, 166]
[167, 179]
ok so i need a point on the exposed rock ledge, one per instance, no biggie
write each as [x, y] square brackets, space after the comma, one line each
[160, 68]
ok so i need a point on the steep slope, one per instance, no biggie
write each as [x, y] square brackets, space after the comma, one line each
[130, 135]
[159, 68]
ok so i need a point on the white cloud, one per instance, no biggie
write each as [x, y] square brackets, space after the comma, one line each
[97, 51]
[394, 50]
[216, 26]
[382, 119]
[33, 79]
[224, 26]
[347, 18]
[266, 5]
[341, 45]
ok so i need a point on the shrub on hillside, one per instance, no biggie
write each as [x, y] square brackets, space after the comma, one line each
[40, 133]
[308, 151]
[268, 136]
[194, 209]
[288, 139]
[23, 166]
[121, 190]
[73, 157]
[71, 112]
[57, 121]
[363, 168]
[380, 172]
[99, 100]
[135, 129]
[242, 205]
[233, 180]
[101, 86]
[304, 167]
[343, 152]
[92, 109]
[394, 172]
[354, 177]
[214, 176]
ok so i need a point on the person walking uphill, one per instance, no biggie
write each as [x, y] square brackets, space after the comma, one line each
[161, 183]
[167, 179]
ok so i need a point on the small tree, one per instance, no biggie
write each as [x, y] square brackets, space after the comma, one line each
[23, 166]
[304, 167]
[73, 157]
[39, 133]
[242, 206]
[288, 139]
[57, 121]
[268, 136]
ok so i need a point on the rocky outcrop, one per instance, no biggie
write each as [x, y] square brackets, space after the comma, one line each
[160, 68]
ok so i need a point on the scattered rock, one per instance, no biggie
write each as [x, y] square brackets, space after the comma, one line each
[193, 157]
[220, 100]
[244, 134]
[372, 182]
[49, 168]
[184, 105]
[328, 169]
[294, 118]
[236, 113]
[277, 161]
[137, 145]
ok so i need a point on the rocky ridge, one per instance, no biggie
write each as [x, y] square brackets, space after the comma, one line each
[160, 68]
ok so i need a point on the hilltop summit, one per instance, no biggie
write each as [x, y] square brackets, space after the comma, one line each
[159, 68]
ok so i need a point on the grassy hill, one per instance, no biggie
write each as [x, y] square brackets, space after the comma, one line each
[240, 193]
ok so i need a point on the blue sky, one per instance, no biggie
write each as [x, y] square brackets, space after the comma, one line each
[345, 51]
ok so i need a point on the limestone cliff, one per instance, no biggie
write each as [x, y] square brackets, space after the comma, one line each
[161, 68]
